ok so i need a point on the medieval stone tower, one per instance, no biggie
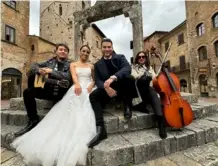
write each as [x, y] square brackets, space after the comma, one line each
[56, 21]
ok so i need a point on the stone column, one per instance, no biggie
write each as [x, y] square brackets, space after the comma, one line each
[77, 40]
[135, 15]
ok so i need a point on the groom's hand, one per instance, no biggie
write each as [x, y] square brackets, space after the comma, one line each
[108, 82]
[111, 92]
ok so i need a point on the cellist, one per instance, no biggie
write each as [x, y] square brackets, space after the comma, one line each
[141, 76]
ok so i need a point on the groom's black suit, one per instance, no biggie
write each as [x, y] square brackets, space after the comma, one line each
[117, 66]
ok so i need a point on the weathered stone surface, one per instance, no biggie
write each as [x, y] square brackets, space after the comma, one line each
[200, 134]
[7, 155]
[147, 145]
[160, 162]
[181, 140]
[213, 118]
[111, 123]
[205, 154]
[180, 159]
[103, 11]
[191, 98]
[18, 104]
[113, 151]
[144, 120]
[15, 161]
[209, 127]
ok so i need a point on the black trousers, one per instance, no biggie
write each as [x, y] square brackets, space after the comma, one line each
[148, 94]
[99, 98]
[31, 93]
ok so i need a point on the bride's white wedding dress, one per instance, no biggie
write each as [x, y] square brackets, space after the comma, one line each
[62, 136]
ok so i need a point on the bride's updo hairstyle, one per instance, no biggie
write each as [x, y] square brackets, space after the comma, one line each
[85, 46]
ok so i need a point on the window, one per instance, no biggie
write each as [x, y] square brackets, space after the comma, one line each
[216, 47]
[180, 38]
[11, 3]
[215, 20]
[9, 34]
[83, 5]
[200, 29]
[202, 52]
[60, 9]
[166, 46]
[182, 62]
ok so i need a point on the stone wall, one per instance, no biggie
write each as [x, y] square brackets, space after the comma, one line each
[196, 13]
[14, 55]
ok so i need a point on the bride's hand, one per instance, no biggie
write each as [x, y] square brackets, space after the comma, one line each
[89, 89]
[78, 89]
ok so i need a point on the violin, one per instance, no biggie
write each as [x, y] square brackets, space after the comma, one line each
[177, 111]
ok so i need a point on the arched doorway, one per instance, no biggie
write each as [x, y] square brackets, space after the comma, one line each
[183, 85]
[203, 85]
[11, 83]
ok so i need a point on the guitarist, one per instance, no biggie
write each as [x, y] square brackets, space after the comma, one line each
[58, 82]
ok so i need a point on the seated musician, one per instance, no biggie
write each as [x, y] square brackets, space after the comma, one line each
[57, 84]
[142, 75]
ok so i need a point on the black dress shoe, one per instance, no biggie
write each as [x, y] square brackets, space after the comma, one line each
[101, 135]
[162, 127]
[31, 124]
[127, 113]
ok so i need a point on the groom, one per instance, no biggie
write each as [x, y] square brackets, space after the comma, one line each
[110, 78]
[58, 70]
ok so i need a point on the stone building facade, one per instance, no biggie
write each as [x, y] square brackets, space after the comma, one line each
[18, 48]
[178, 58]
[194, 52]
[202, 34]
[56, 25]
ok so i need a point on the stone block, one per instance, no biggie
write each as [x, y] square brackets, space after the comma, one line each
[113, 151]
[181, 139]
[147, 145]
[111, 123]
[144, 120]
[18, 104]
[200, 134]
[4, 118]
[209, 127]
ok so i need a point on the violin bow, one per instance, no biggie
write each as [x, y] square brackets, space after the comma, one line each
[164, 59]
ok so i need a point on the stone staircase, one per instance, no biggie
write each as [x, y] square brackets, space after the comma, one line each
[130, 142]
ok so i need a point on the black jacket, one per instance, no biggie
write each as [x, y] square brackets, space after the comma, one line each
[101, 72]
[63, 74]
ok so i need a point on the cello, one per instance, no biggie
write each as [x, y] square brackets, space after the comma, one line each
[177, 111]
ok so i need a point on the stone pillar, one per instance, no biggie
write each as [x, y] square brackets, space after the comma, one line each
[135, 15]
[77, 40]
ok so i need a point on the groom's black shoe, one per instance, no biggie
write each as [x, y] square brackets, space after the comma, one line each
[31, 124]
[101, 135]
[127, 110]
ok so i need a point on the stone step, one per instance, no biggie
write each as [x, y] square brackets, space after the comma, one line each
[114, 120]
[138, 147]
[18, 104]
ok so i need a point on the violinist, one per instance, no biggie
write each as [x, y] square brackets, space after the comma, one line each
[142, 74]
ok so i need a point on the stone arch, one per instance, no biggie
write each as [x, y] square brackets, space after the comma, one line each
[203, 85]
[214, 19]
[11, 83]
[183, 85]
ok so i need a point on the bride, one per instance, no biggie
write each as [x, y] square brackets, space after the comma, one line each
[62, 136]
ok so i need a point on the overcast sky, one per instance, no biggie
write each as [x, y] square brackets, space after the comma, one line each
[162, 15]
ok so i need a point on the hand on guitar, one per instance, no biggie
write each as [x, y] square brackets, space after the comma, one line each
[45, 70]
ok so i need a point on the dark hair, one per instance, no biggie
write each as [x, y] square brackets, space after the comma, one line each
[85, 46]
[106, 40]
[147, 61]
[62, 44]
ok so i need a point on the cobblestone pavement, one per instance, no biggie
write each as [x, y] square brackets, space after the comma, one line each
[205, 155]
